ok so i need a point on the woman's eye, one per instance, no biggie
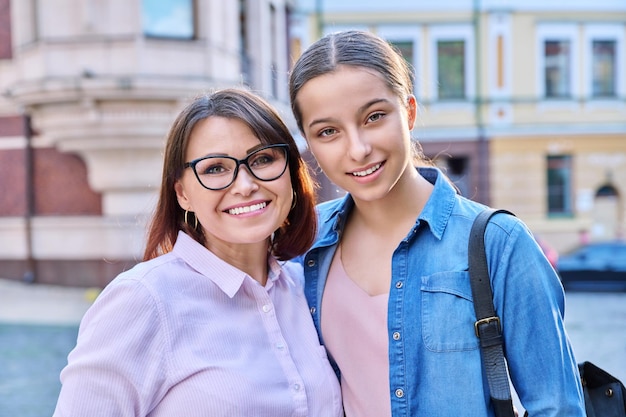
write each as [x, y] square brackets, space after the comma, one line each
[262, 160]
[215, 169]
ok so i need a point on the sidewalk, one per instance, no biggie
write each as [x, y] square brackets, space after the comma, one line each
[43, 304]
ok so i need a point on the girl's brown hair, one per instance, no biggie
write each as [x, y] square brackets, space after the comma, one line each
[297, 233]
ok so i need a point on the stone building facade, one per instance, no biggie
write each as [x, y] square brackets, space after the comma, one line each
[89, 90]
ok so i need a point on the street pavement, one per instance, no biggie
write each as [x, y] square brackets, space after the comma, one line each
[43, 304]
[596, 322]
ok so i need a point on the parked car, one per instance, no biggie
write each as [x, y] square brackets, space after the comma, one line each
[595, 267]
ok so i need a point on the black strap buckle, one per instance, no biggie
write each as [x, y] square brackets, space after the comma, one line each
[487, 320]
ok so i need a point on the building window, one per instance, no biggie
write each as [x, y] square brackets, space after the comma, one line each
[559, 176]
[558, 62]
[6, 51]
[406, 39]
[557, 69]
[604, 61]
[169, 19]
[604, 75]
[452, 60]
[457, 170]
[451, 66]
[405, 48]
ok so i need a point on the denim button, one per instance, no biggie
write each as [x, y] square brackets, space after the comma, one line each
[310, 263]
[399, 284]
[399, 393]
[396, 336]
[313, 310]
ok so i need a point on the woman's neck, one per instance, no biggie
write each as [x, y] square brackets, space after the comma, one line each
[249, 258]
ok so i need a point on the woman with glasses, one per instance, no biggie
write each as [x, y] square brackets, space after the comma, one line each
[213, 322]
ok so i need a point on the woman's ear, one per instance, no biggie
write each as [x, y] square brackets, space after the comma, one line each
[411, 107]
[181, 196]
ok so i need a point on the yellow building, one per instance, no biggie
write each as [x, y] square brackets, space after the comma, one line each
[523, 101]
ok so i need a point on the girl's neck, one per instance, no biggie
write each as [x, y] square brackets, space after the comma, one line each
[398, 208]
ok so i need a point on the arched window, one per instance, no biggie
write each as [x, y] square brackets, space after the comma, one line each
[607, 190]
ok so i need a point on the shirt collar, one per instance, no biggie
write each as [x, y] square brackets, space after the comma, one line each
[227, 277]
[440, 204]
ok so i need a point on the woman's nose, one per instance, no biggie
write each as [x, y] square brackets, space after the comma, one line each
[245, 182]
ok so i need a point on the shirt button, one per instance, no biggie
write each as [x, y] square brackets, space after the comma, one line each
[280, 346]
[396, 336]
[296, 387]
[399, 393]
[267, 308]
[313, 310]
[310, 263]
[399, 284]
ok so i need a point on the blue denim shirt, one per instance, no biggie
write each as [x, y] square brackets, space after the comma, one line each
[434, 355]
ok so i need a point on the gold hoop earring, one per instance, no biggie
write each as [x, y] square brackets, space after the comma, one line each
[195, 226]
[294, 200]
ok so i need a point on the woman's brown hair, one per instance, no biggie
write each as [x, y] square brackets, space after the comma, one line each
[297, 233]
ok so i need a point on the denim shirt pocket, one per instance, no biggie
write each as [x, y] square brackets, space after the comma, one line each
[448, 312]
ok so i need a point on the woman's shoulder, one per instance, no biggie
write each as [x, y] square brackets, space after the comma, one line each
[295, 271]
[150, 274]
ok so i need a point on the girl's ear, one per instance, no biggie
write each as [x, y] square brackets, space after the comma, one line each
[411, 107]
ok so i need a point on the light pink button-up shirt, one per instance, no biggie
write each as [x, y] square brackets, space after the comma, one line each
[187, 334]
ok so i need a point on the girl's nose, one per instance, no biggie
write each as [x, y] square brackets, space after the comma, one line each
[358, 146]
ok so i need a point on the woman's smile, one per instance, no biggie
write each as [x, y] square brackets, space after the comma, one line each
[252, 209]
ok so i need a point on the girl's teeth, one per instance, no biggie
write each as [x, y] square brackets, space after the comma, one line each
[367, 171]
[247, 209]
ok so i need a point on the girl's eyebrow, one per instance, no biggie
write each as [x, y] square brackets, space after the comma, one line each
[360, 110]
[371, 103]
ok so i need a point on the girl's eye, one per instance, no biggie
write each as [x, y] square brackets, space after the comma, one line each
[328, 132]
[375, 117]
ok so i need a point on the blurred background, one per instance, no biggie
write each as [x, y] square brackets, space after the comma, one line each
[522, 103]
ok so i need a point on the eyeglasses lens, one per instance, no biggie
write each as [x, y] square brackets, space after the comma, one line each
[266, 164]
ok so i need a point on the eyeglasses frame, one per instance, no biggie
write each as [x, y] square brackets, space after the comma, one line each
[239, 162]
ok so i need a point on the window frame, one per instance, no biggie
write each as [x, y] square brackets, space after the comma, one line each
[462, 32]
[406, 33]
[596, 32]
[567, 199]
[559, 32]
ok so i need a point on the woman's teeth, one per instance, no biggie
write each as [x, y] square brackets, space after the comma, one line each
[367, 171]
[247, 209]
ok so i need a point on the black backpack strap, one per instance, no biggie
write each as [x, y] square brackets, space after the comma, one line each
[488, 327]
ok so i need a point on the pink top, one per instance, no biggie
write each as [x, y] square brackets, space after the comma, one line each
[354, 327]
[187, 334]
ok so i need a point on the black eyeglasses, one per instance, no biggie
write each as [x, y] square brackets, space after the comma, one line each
[219, 172]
